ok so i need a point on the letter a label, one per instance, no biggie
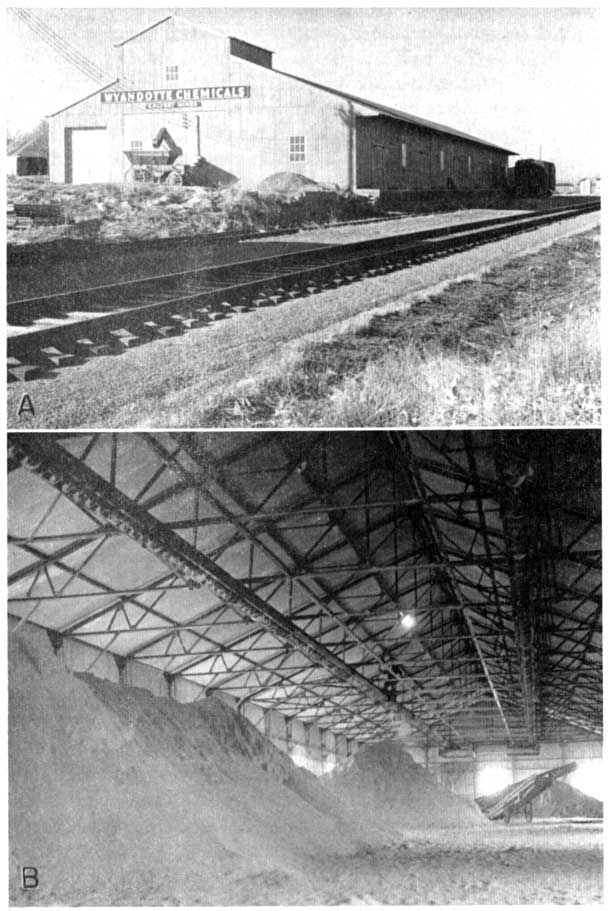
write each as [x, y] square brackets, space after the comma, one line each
[26, 407]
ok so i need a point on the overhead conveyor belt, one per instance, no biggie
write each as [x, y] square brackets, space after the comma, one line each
[42, 455]
[280, 569]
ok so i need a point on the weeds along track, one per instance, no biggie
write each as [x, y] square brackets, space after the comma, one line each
[59, 330]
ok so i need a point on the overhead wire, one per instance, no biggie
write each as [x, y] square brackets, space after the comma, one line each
[74, 57]
[61, 46]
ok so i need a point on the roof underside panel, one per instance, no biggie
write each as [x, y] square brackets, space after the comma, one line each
[278, 568]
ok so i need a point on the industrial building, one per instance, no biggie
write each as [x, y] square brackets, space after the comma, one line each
[221, 99]
[29, 156]
[332, 591]
[590, 186]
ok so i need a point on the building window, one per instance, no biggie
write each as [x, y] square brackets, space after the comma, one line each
[297, 148]
[136, 144]
[171, 73]
[469, 164]
[404, 154]
[442, 160]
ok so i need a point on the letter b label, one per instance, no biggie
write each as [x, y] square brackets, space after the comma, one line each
[29, 877]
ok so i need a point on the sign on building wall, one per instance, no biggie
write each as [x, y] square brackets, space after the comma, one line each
[159, 99]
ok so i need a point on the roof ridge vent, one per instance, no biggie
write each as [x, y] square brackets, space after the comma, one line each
[251, 52]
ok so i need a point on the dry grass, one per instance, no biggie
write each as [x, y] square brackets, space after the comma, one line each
[122, 212]
[521, 347]
[550, 377]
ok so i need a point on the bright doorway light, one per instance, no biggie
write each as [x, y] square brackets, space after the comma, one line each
[589, 777]
[493, 778]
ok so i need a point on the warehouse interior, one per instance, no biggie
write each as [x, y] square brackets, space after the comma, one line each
[280, 667]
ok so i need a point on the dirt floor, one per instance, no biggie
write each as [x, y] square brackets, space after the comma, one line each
[119, 797]
[192, 380]
[537, 864]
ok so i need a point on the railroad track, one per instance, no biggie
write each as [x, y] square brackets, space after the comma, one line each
[58, 330]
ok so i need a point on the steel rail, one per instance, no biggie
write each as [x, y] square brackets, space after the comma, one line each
[80, 299]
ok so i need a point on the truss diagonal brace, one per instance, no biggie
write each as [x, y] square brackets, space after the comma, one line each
[405, 461]
[82, 486]
[513, 467]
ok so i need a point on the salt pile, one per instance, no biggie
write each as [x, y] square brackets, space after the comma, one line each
[120, 797]
[562, 800]
[383, 780]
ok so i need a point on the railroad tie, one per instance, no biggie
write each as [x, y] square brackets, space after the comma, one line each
[262, 300]
[163, 331]
[221, 313]
[189, 322]
[89, 348]
[243, 307]
[125, 338]
[19, 372]
[294, 291]
[226, 307]
[56, 357]
[202, 313]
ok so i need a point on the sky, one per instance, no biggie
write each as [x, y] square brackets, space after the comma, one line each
[524, 78]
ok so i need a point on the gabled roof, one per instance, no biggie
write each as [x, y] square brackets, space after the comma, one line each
[143, 31]
[154, 25]
[86, 98]
[382, 109]
[34, 145]
[396, 114]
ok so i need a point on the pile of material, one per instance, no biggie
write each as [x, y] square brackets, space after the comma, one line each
[560, 800]
[288, 183]
[563, 801]
[121, 797]
[109, 212]
[383, 780]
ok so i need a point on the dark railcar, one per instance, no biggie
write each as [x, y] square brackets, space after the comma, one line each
[532, 177]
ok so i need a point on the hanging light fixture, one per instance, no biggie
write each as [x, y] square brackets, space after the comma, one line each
[408, 621]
